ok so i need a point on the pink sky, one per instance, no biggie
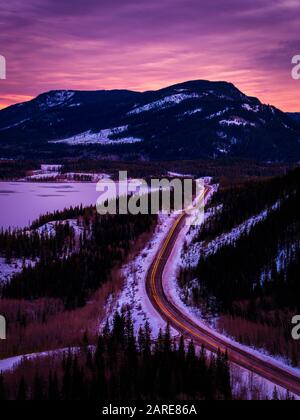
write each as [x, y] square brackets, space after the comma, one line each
[141, 45]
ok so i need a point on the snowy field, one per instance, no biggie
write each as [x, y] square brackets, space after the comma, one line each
[109, 136]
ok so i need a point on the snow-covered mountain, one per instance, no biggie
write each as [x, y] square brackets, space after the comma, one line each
[197, 119]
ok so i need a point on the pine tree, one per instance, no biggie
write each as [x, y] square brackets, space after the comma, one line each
[22, 390]
[3, 395]
[275, 396]
[53, 387]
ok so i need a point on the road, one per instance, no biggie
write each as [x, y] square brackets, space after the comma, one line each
[207, 337]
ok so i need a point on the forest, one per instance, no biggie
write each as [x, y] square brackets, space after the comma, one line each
[24, 244]
[225, 171]
[74, 275]
[125, 367]
[247, 268]
[253, 282]
[249, 198]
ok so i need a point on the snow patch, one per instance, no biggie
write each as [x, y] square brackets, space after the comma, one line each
[192, 112]
[237, 122]
[218, 114]
[251, 108]
[55, 99]
[103, 137]
[164, 103]
[15, 125]
[192, 257]
[9, 269]
[12, 363]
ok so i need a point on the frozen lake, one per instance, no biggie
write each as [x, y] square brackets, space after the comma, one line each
[21, 202]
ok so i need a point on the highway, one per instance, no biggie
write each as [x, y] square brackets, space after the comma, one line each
[211, 340]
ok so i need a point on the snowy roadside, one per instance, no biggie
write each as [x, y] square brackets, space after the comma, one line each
[173, 293]
[134, 295]
[249, 386]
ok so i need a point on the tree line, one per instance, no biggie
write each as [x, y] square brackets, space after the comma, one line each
[128, 367]
[34, 244]
[236, 271]
[240, 202]
[104, 243]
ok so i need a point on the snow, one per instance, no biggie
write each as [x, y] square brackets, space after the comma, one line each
[74, 105]
[15, 266]
[54, 173]
[13, 362]
[218, 114]
[192, 257]
[15, 125]
[47, 175]
[192, 112]
[103, 137]
[175, 261]
[134, 295]
[95, 177]
[178, 175]
[55, 99]
[223, 150]
[51, 168]
[249, 386]
[50, 227]
[174, 294]
[46, 171]
[164, 103]
[237, 121]
[8, 270]
[281, 261]
[250, 108]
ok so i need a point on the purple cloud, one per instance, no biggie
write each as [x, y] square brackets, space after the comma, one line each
[143, 45]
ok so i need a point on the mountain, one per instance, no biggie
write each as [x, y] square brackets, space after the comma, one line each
[295, 116]
[196, 119]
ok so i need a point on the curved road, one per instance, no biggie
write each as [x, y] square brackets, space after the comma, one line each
[207, 337]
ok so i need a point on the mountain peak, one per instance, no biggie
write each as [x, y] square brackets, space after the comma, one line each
[193, 119]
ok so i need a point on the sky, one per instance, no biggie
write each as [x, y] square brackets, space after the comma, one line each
[149, 44]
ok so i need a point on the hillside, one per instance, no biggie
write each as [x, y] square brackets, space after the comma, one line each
[245, 263]
[197, 119]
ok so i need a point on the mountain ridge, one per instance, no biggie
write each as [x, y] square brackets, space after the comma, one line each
[193, 119]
